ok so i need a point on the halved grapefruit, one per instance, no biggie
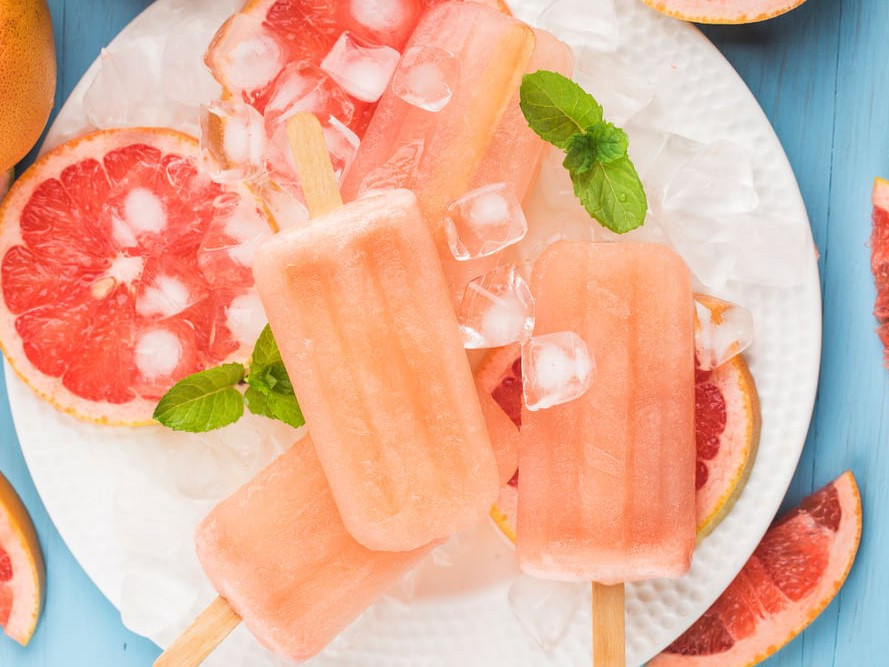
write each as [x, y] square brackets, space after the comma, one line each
[21, 568]
[792, 576]
[724, 11]
[880, 259]
[124, 269]
[727, 421]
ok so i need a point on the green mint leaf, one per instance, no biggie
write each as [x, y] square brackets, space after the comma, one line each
[611, 142]
[257, 402]
[286, 408]
[581, 154]
[203, 401]
[612, 193]
[556, 108]
[265, 352]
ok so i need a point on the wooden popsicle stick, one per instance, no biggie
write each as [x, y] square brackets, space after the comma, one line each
[322, 194]
[202, 637]
[609, 647]
[312, 159]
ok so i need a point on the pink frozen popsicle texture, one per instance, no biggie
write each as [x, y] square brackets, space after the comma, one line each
[606, 490]
[361, 313]
[277, 550]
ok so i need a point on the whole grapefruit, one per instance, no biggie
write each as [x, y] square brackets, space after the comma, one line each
[27, 76]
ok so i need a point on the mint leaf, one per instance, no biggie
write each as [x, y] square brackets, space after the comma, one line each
[611, 142]
[257, 402]
[286, 408]
[203, 401]
[581, 156]
[612, 193]
[265, 351]
[556, 108]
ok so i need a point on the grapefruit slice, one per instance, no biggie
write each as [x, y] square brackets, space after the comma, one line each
[21, 568]
[727, 421]
[792, 576]
[724, 11]
[880, 259]
[124, 269]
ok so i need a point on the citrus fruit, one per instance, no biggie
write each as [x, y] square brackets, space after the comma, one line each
[21, 568]
[791, 577]
[124, 269]
[27, 76]
[5, 182]
[727, 421]
[880, 258]
[724, 11]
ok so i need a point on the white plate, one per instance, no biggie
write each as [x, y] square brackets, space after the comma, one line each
[126, 500]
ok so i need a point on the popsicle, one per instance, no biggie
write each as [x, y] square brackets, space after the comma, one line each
[358, 305]
[438, 153]
[607, 492]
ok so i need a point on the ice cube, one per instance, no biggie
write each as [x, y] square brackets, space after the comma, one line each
[303, 86]
[286, 204]
[497, 309]
[232, 140]
[251, 56]
[583, 23]
[717, 180]
[342, 144]
[622, 88]
[157, 353]
[556, 368]
[126, 91]
[385, 21]
[485, 221]
[397, 172]
[235, 231]
[723, 330]
[245, 317]
[545, 608]
[362, 69]
[188, 81]
[427, 77]
[165, 296]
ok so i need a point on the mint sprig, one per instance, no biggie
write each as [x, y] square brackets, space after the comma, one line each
[604, 178]
[211, 398]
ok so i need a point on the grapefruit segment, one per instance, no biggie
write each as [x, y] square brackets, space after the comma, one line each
[880, 259]
[791, 577]
[21, 568]
[119, 264]
[727, 423]
[724, 11]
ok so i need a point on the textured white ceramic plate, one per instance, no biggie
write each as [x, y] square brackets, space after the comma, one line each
[126, 500]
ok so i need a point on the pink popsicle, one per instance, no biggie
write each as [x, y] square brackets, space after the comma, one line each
[606, 490]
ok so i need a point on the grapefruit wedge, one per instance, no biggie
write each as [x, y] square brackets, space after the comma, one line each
[21, 568]
[123, 269]
[727, 421]
[880, 259]
[792, 576]
[724, 11]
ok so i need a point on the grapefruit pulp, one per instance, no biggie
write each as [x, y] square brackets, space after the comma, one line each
[724, 11]
[880, 259]
[21, 568]
[791, 577]
[727, 424]
[124, 269]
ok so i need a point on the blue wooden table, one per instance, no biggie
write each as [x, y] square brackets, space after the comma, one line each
[821, 75]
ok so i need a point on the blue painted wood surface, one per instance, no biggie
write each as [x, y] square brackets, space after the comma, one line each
[821, 75]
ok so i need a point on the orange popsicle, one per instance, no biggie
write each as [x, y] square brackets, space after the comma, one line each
[606, 491]
[361, 313]
[278, 552]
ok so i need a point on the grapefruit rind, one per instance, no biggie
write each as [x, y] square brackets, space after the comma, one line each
[19, 539]
[775, 631]
[138, 411]
[738, 446]
[724, 11]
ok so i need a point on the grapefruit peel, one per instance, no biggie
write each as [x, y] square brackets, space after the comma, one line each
[724, 11]
[774, 597]
[22, 573]
[183, 152]
[879, 243]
